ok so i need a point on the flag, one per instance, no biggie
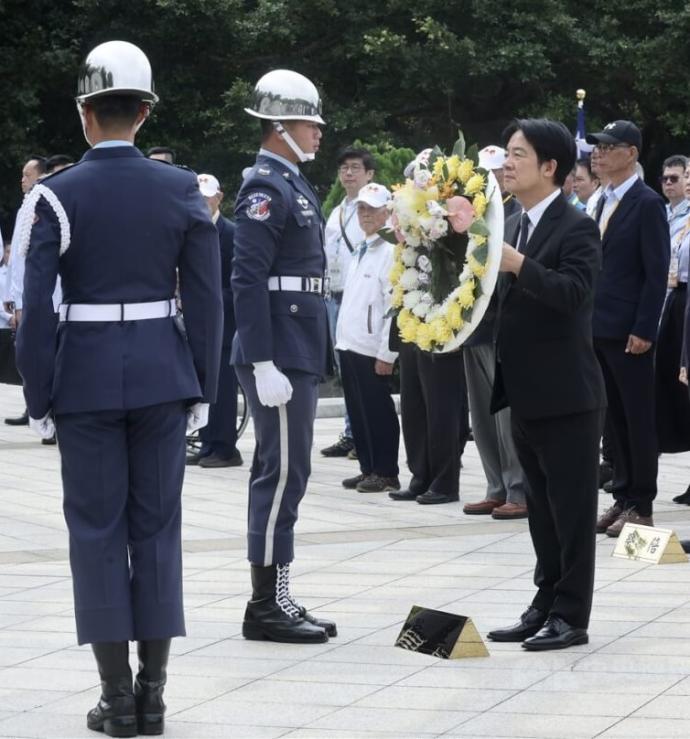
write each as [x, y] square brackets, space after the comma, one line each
[583, 148]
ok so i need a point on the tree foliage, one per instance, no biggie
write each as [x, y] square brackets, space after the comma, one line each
[407, 73]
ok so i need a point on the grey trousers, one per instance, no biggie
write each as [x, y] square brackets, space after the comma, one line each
[492, 433]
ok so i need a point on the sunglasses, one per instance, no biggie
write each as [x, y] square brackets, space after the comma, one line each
[671, 178]
[610, 147]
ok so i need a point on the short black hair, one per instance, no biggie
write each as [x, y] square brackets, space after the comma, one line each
[675, 160]
[40, 162]
[57, 160]
[115, 110]
[165, 150]
[550, 140]
[351, 152]
[586, 162]
[267, 128]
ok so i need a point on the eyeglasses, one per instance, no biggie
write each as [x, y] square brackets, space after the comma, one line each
[603, 148]
[354, 168]
[670, 178]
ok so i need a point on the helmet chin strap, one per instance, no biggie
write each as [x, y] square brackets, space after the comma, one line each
[301, 155]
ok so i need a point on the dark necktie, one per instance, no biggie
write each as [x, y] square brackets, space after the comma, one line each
[600, 207]
[524, 231]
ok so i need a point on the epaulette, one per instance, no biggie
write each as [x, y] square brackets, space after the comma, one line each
[185, 168]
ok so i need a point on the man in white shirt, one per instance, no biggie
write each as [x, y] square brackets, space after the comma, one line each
[343, 234]
[362, 342]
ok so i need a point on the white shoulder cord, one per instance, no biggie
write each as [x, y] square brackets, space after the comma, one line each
[27, 214]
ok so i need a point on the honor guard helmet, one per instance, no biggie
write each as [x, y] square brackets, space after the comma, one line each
[283, 95]
[116, 67]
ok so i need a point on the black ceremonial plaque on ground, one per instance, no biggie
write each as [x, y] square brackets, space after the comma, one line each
[440, 634]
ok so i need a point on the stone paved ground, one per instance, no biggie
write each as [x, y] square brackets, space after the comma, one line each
[362, 560]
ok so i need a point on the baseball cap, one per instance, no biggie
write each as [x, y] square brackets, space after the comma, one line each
[492, 157]
[374, 195]
[208, 185]
[618, 132]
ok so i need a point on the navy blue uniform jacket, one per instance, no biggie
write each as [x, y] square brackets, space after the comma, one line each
[278, 231]
[135, 224]
[226, 234]
[636, 252]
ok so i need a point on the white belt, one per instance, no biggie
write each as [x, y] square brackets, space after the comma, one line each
[117, 311]
[296, 284]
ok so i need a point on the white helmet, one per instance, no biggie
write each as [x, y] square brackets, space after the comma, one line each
[116, 67]
[283, 95]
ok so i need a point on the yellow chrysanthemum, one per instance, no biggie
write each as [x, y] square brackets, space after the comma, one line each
[438, 167]
[396, 272]
[454, 316]
[466, 294]
[423, 338]
[397, 296]
[397, 252]
[475, 184]
[479, 204]
[452, 164]
[478, 270]
[440, 330]
[465, 170]
[404, 317]
[478, 240]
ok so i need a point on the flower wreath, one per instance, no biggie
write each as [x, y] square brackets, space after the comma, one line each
[446, 261]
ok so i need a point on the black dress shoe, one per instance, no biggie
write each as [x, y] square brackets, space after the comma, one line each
[193, 459]
[432, 498]
[216, 460]
[529, 624]
[683, 499]
[22, 420]
[556, 634]
[52, 441]
[403, 495]
[350, 483]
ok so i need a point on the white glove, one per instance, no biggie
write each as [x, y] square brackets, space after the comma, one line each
[44, 427]
[197, 416]
[272, 386]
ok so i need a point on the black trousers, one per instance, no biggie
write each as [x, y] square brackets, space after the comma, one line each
[629, 382]
[220, 435]
[374, 422]
[560, 458]
[671, 396]
[435, 418]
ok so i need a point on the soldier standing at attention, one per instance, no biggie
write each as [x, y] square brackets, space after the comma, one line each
[281, 347]
[121, 377]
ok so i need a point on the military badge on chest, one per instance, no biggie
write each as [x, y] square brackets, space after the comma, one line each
[304, 205]
[259, 206]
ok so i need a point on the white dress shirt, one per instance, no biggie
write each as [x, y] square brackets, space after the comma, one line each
[338, 255]
[537, 211]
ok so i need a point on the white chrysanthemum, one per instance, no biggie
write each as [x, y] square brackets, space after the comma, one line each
[420, 310]
[424, 263]
[439, 229]
[424, 279]
[435, 209]
[412, 298]
[409, 279]
[409, 256]
[413, 238]
[421, 178]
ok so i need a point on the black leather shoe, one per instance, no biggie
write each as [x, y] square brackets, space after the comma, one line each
[149, 684]
[22, 420]
[529, 624]
[215, 460]
[403, 495]
[350, 483]
[683, 499]
[341, 448]
[115, 714]
[193, 459]
[52, 441]
[272, 616]
[555, 634]
[432, 498]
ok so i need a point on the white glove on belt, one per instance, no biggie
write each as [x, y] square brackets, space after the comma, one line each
[197, 416]
[272, 386]
[44, 427]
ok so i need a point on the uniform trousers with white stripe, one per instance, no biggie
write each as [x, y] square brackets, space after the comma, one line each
[281, 465]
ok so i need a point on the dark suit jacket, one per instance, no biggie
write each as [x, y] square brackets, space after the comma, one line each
[547, 366]
[226, 232]
[135, 224]
[635, 258]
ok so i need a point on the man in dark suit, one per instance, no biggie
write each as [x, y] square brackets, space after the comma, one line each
[121, 378]
[630, 295]
[549, 375]
[219, 436]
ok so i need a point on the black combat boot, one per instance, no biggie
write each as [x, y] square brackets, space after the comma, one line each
[271, 615]
[149, 685]
[284, 581]
[115, 714]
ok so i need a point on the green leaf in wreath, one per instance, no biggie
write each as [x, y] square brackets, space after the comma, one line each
[459, 147]
[477, 292]
[481, 254]
[473, 154]
[479, 228]
[387, 234]
[435, 154]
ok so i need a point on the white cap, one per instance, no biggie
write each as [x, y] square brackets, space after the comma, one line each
[208, 185]
[374, 195]
[492, 157]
